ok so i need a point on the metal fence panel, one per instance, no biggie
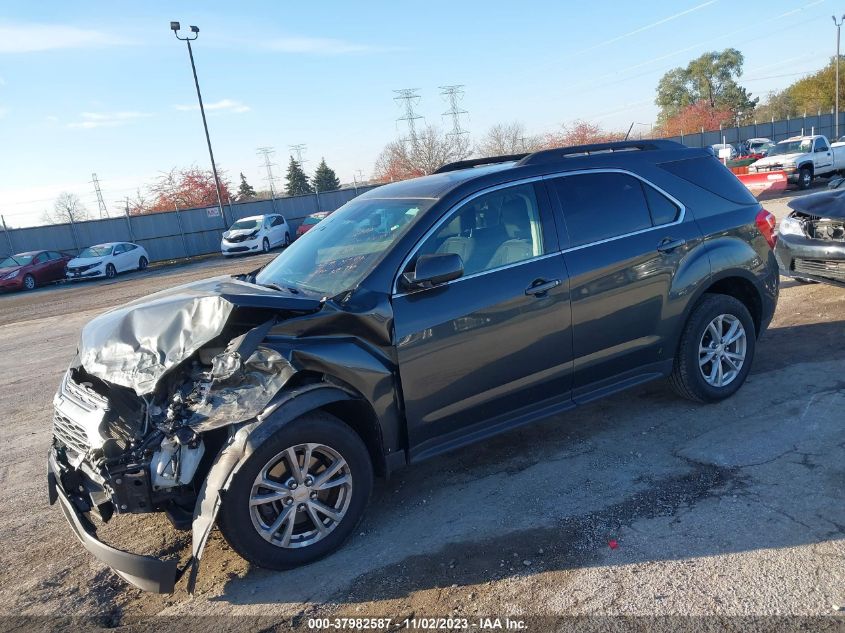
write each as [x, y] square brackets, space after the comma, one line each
[171, 235]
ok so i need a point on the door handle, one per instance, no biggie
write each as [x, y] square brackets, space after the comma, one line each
[668, 244]
[540, 287]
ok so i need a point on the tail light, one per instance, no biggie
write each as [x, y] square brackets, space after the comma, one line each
[766, 224]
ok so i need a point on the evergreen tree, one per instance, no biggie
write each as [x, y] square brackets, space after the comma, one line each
[245, 191]
[324, 178]
[297, 181]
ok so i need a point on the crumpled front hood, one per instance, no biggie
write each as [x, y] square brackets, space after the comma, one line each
[826, 204]
[134, 345]
[86, 261]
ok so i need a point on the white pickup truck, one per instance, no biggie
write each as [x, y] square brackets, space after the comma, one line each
[803, 158]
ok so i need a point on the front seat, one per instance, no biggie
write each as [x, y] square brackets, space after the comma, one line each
[517, 224]
[457, 243]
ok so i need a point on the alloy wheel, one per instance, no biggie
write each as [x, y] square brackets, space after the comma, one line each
[722, 350]
[300, 495]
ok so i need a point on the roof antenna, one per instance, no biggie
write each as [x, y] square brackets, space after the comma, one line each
[629, 130]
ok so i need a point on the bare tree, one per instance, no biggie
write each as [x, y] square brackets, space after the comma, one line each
[67, 208]
[428, 151]
[507, 138]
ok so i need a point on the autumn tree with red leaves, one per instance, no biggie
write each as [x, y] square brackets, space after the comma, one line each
[695, 117]
[580, 133]
[184, 188]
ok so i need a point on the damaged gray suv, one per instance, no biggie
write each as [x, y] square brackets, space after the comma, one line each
[420, 317]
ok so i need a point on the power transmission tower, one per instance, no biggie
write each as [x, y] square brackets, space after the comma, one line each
[100, 200]
[453, 95]
[298, 150]
[267, 152]
[407, 99]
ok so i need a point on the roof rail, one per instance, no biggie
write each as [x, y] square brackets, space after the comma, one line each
[476, 162]
[552, 155]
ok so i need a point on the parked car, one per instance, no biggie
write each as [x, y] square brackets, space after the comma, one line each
[759, 146]
[27, 271]
[107, 260]
[258, 233]
[811, 239]
[309, 221]
[803, 158]
[423, 315]
[718, 147]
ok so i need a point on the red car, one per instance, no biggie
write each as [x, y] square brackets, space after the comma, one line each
[27, 271]
[309, 221]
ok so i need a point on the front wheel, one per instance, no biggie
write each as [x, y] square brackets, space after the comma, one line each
[716, 350]
[111, 271]
[29, 282]
[805, 178]
[287, 239]
[265, 245]
[143, 263]
[299, 495]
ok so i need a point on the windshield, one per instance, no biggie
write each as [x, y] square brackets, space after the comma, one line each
[339, 251]
[791, 147]
[17, 260]
[245, 224]
[95, 251]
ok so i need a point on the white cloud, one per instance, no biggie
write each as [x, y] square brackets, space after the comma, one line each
[224, 105]
[30, 37]
[317, 46]
[107, 119]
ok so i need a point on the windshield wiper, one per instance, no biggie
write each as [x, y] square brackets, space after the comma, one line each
[273, 286]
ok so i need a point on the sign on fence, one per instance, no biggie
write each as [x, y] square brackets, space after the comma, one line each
[213, 212]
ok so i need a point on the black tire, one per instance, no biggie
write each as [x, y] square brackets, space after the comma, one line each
[265, 245]
[287, 239]
[805, 177]
[29, 282]
[235, 520]
[143, 263]
[111, 271]
[687, 377]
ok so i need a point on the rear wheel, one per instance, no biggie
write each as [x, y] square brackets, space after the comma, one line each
[29, 282]
[805, 177]
[111, 271]
[142, 263]
[299, 495]
[716, 350]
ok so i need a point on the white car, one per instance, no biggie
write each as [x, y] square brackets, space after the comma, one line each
[106, 260]
[803, 158]
[257, 233]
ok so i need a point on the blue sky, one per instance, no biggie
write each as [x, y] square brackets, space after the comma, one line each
[105, 87]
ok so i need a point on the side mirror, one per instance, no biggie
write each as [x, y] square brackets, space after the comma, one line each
[432, 270]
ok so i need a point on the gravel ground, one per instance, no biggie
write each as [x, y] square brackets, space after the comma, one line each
[641, 504]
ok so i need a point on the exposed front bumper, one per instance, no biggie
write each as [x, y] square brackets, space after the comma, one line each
[87, 274]
[145, 572]
[811, 258]
[16, 283]
[239, 248]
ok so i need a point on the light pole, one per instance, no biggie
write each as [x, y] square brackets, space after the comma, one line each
[174, 26]
[836, 99]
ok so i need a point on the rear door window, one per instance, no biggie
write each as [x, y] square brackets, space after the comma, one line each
[601, 206]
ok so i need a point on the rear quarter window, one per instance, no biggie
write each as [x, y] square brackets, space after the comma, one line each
[709, 173]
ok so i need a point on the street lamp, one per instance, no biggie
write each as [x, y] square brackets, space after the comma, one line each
[174, 26]
[836, 107]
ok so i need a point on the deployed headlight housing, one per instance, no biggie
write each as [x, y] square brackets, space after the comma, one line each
[790, 226]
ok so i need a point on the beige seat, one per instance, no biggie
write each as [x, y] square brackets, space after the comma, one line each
[457, 243]
[517, 224]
